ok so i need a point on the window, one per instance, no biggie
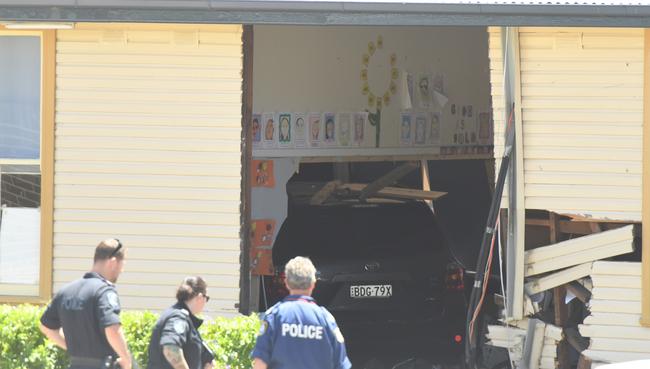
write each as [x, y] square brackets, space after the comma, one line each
[26, 116]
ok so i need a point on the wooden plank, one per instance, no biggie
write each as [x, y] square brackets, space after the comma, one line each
[504, 332]
[568, 260]
[554, 332]
[620, 268]
[608, 331]
[546, 362]
[536, 285]
[534, 343]
[621, 345]
[609, 280]
[619, 294]
[515, 181]
[537, 222]
[611, 306]
[325, 192]
[617, 319]
[388, 179]
[549, 351]
[579, 244]
[48, 108]
[426, 181]
[614, 356]
[565, 226]
[404, 193]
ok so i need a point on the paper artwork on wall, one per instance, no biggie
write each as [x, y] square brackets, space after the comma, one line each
[433, 136]
[405, 138]
[261, 239]
[359, 128]
[257, 130]
[270, 128]
[284, 131]
[424, 91]
[343, 132]
[329, 129]
[262, 173]
[299, 130]
[407, 91]
[484, 128]
[420, 134]
[439, 94]
[315, 129]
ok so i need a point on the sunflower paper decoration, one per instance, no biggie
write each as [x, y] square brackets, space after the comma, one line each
[378, 99]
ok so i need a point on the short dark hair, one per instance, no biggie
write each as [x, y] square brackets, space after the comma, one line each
[190, 287]
[109, 248]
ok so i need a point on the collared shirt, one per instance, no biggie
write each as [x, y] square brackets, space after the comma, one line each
[297, 333]
[177, 326]
[84, 308]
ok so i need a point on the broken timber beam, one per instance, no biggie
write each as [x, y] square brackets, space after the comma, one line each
[325, 192]
[536, 285]
[573, 226]
[394, 192]
[579, 291]
[387, 179]
[579, 250]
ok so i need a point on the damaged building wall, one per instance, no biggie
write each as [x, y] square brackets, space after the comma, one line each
[602, 316]
[582, 111]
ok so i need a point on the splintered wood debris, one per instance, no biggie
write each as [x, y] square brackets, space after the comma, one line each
[610, 290]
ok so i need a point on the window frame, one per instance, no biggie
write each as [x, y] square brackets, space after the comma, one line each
[16, 293]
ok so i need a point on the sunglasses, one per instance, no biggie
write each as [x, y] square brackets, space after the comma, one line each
[207, 298]
[117, 249]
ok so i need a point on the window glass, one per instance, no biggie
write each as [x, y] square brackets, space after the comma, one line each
[20, 97]
[20, 177]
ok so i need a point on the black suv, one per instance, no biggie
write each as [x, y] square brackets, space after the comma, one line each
[384, 269]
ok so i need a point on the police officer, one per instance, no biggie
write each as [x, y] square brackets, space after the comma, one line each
[296, 332]
[175, 341]
[84, 316]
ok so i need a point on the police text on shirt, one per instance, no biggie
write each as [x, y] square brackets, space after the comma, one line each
[312, 332]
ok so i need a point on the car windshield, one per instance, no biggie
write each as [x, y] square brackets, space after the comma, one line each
[348, 232]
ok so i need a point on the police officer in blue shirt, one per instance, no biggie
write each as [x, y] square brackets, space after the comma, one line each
[296, 332]
[84, 316]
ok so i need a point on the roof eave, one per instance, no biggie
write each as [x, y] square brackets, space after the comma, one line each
[340, 13]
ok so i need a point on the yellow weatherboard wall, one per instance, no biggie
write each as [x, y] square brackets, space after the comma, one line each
[148, 132]
[582, 110]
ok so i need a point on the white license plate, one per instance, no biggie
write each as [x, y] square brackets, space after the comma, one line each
[375, 290]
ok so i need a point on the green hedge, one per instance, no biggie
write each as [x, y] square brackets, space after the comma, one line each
[22, 346]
